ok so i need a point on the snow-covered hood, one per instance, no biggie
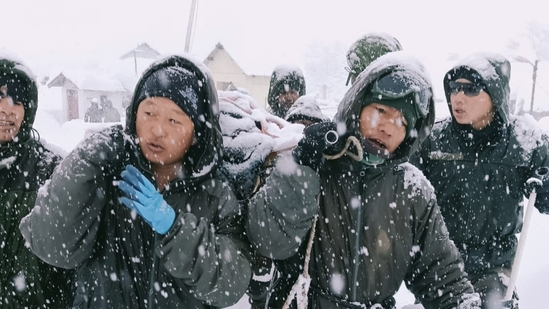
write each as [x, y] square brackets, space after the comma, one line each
[495, 71]
[284, 74]
[349, 109]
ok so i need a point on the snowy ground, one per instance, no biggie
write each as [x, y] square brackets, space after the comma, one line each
[533, 280]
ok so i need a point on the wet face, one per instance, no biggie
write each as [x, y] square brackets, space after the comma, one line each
[470, 107]
[287, 98]
[11, 118]
[165, 132]
[383, 126]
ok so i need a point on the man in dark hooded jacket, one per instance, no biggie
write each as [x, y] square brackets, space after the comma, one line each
[378, 223]
[139, 213]
[479, 160]
[286, 86]
[25, 165]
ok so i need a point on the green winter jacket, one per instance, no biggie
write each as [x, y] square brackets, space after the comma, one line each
[377, 226]
[78, 222]
[480, 182]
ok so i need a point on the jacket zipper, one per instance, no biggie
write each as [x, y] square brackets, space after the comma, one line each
[152, 275]
[357, 249]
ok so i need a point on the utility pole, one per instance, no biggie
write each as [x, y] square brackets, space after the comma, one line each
[190, 26]
[534, 75]
[135, 62]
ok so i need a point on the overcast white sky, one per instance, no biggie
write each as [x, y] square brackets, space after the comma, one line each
[263, 32]
[259, 34]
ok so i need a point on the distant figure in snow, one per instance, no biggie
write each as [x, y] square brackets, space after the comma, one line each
[286, 86]
[479, 160]
[110, 112]
[306, 111]
[139, 211]
[366, 49]
[377, 222]
[25, 165]
[94, 113]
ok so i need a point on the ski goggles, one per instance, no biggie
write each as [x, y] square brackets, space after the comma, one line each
[469, 89]
[400, 84]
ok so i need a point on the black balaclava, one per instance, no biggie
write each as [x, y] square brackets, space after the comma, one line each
[181, 86]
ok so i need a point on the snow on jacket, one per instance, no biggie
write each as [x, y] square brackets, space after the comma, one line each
[377, 226]
[25, 164]
[480, 185]
[250, 136]
[78, 222]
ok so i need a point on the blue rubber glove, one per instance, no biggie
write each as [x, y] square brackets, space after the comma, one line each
[147, 202]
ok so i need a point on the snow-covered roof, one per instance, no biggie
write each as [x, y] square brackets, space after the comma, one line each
[251, 71]
[92, 80]
[142, 51]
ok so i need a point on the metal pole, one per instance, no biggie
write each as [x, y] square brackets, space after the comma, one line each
[534, 75]
[520, 247]
[190, 27]
[135, 62]
[536, 181]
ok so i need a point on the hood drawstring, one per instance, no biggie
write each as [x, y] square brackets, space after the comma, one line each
[356, 156]
[300, 289]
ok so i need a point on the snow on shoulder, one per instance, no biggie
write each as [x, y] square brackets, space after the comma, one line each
[416, 179]
[528, 132]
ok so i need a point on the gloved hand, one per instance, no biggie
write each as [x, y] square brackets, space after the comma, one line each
[540, 181]
[318, 139]
[542, 190]
[147, 202]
